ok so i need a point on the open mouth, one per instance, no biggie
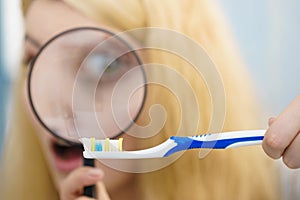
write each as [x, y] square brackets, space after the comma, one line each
[66, 157]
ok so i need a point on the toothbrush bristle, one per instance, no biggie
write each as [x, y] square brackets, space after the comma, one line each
[98, 146]
[106, 144]
[103, 145]
[92, 144]
[120, 144]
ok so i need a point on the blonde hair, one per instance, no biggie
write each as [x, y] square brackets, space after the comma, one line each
[25, 174]
[245, 173]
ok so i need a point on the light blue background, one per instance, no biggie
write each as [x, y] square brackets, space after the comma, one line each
[4, 83]
[268, 35]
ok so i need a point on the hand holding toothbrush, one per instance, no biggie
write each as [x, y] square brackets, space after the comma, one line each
[72, 187]
[282, 138]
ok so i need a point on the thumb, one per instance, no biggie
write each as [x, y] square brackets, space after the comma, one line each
[72, 186]
[271, 120]
[101, 191]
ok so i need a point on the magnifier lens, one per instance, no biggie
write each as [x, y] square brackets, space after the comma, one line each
[86, 82]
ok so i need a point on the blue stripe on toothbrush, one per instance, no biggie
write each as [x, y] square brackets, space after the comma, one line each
[184, 143]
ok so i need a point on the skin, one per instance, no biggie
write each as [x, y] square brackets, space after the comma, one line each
[282, 138]
[70, 184]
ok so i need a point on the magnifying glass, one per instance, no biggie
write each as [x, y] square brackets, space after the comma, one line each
[86, 82]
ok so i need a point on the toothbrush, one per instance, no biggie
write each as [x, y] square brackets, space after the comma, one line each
[112, 149]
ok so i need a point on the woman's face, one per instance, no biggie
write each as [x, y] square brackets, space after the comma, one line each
[45, 19]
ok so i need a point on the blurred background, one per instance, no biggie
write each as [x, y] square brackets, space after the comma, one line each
[267, 33]
[11, 32]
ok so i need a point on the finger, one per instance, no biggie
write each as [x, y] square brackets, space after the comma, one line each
[283, 130]
[73, 185]
[291, 155]
[271, 120]
[84, 198]
[102, 192]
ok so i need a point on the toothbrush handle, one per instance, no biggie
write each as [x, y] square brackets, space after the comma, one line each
[221, 141]
[239, 138]
[89, 191]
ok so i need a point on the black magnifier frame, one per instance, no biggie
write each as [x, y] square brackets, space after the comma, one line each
[41, 48]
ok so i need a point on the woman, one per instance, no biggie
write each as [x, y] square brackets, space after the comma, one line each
[31, 173]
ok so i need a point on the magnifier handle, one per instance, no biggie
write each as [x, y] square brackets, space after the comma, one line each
[89, 191]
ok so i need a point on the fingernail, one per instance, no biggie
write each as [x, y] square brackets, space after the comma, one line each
[95, 173]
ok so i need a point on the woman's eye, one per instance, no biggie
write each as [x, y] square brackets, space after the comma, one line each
[104, 68]
[112, 67]
[29, 52]
[96, 64]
